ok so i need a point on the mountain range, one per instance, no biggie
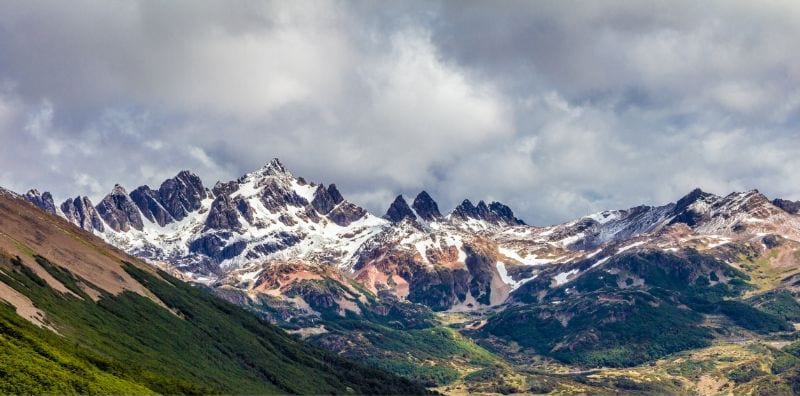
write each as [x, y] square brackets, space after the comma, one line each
[81, 317]
[476, 300]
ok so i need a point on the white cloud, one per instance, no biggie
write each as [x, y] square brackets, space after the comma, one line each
[88, 185]
[554, 109]
[201, 156]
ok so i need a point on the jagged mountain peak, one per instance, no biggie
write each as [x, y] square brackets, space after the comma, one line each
[495, 212]
[119, 190]
[182, 194]
[81, 212]
[699, 202]
[335, 194]
[48, 268]
[696, 195]
[504, 213]
[399, 210]
[426, 207]
[119, 211]
[42, 200]
[273, 167]
[223, 214]
[326, 200]
[323, 200]
[186, 174]
[149, 203]
[464, 210]
[788, 206]
[226, 188]
[748, 205]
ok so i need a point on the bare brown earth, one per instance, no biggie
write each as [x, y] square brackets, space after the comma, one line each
[25, 229]
[23, 305]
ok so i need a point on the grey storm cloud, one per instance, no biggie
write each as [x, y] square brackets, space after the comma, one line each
[556, 108]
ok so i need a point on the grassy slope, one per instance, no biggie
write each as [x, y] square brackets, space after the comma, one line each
[433, 356]
[128, 344]
[33, 362]
[396, 336]
[634, 325]
[721, 369]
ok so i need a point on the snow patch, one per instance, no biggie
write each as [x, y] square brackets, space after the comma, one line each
[604, 217]
[601, 261]
[529, 259]
[562, 278]
[630, 246]
[507, 279]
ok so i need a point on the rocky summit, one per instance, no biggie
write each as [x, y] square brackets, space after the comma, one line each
[43, 201]
[399, 210]
[425, 207]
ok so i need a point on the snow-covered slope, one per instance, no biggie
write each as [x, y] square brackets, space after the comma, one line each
[266, 215]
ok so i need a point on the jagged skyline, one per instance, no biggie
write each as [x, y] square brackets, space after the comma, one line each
[555, 110]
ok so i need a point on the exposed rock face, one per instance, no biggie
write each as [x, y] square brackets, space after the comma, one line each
[274, 168]
[245, 209]
[282, 240]
[772, 241]
[439, 288]
[426, 207]
[504, 213]
[495, 212]
[210, 245]
[689, 199]
[329, 201]
[466, 210]
[751, 202]
[119, 212]
[699, 209]
[346, 213]
[323, 202]
[214, 246]
[335, 194]
[399, 210]
[276, 197]
[789, 206]
[80, 211]
[686, 211]
[182, 194]
[319, 297]
[224, 214]
[148, 202]
[43, 201]
[226, 188]
[480, 267]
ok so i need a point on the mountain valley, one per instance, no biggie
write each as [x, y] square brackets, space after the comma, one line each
[695, 296]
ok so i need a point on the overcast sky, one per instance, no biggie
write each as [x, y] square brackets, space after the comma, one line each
[555, 108]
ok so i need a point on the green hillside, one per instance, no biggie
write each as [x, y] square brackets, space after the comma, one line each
[128, 344]
[605, 319]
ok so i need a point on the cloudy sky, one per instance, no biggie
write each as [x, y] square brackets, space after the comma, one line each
[556, 108]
